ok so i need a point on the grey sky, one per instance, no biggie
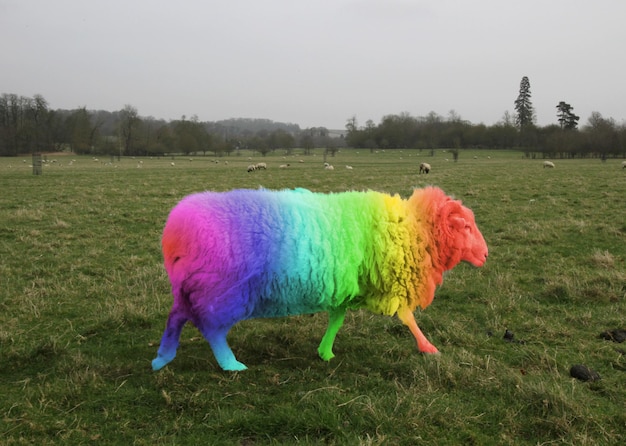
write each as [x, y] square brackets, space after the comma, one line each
[318, 62]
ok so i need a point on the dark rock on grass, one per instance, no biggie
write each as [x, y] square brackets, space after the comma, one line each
[617, 335]
[583, 373]
[510, 337]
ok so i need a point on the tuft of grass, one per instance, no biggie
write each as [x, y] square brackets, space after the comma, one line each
[85, 298]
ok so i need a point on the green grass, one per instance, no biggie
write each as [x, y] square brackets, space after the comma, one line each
[84, 299]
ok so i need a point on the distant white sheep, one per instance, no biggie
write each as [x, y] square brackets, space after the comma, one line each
[261, 166]
[623, 164]
[548, 164]
[172, 164]
[424, 167]
[251, 168]
[349, 167]
[329, 167]
[283, 166]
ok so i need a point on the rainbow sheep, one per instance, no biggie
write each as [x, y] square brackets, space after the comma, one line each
[246, 254]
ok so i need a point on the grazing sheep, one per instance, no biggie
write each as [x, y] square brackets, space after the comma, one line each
[329, 167]
[247, 254]
[172, 164]
[623, 164]
[261, 166]
[283, 166]
[251, 168]
[424, 167]
[349, 167]
[548, 164]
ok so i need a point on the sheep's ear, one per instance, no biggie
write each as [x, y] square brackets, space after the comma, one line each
[451, 209]
[457, 223]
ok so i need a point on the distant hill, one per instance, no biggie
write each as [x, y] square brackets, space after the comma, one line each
[238, 126]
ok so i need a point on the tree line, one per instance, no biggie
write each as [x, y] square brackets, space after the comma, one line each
[30, 125]
[600, 137]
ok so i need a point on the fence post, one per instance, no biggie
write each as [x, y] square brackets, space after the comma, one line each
[37, 164]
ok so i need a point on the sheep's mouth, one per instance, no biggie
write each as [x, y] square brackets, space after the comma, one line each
[477, 260]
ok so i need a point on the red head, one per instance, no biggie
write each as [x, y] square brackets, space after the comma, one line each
[455, 233]
[464, 242]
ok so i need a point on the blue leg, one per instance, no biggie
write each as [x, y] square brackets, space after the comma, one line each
[222, 352]
[169, 342]
[336, 317]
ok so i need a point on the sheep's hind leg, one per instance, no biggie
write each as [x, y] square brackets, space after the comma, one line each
[222, 352]
[336, 317]
[169, 342]
[423, 344]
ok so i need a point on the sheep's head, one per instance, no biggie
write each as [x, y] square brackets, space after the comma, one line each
[459, 239]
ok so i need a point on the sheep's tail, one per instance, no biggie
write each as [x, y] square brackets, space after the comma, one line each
[178, 245]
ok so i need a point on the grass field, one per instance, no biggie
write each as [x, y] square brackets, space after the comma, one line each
[84, 299]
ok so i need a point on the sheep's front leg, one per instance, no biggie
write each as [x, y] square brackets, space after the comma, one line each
[423, 344]
[336, 317]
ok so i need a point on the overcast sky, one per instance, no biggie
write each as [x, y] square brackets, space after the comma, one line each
[317, 62]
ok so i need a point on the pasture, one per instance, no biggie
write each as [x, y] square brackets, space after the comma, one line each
[84, 299]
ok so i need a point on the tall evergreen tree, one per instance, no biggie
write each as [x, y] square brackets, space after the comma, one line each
[567, 119]
[523, 105]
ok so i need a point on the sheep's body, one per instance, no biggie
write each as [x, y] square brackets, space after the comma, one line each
[623, 164]
[245, 254]
[424, 168]
[259, 166]
[251, 168]
[548, 164]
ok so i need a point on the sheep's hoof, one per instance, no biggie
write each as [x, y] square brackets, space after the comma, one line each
[159, 362]
[430, 350]
[326, 356]
[235, 366]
